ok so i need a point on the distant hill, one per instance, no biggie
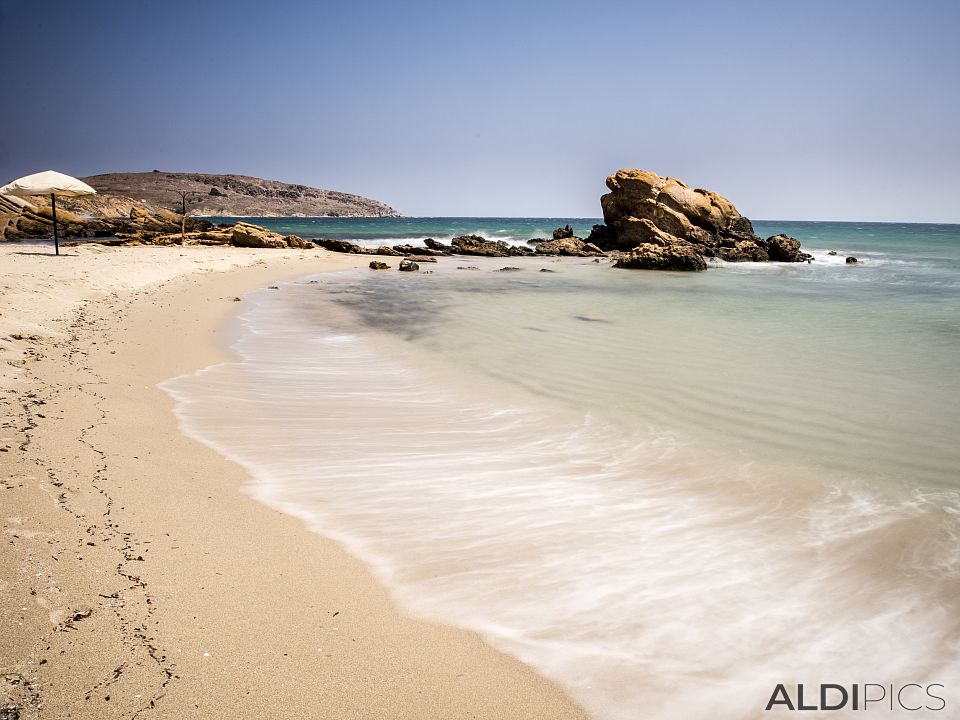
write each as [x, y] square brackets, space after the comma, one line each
[219, 195]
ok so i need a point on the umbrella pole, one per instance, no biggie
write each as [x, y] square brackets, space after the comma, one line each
[53, 207]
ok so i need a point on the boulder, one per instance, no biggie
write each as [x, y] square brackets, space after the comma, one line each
[343, 246]
[678, 256]
[572, 246]
[783, 248]
[408, 266]
[851, 260]
[744, 251]
[295, 241]
[438, 247]
[414, 250]
[377, 265]
[519, 251]
[477, 245]
[247, 235]
[565, 232]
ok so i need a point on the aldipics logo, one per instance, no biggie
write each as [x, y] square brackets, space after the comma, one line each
[866, 696]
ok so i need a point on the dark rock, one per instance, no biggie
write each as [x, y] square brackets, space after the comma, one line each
[565, 232]
[377, 265]
[467, 267]
[851, 260]
[744, 251]
[416, 250]
[832, 252]
[677, 256]
[547, 270]
[343, 246]
[508, 269]
[477, 245]
[571, 246]
[217, 192]
[602, 237]
[438, 246]
[408, 266]
[783, 248]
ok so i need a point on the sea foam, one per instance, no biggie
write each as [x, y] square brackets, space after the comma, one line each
[648, 575]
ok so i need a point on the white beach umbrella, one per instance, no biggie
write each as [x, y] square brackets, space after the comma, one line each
[49, 183]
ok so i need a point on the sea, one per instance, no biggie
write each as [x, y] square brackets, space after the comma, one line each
[666, 492]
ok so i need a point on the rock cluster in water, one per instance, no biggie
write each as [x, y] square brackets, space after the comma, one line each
[660, 223]
[476, 245]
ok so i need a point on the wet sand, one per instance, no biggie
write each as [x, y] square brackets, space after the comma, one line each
[137, 580]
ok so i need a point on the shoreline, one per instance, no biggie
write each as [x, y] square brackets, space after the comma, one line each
[141, 581]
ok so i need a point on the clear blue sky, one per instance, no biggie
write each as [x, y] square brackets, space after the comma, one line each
[845, 109]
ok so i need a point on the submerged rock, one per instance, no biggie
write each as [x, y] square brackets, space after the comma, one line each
[744, 251]
[571, 246]
[377, 265]
[851, 260]
[476, 245]
[677, 256]
[415, 250]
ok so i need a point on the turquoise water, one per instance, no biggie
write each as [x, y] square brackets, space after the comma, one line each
[668, 492]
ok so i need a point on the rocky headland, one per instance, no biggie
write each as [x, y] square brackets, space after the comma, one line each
[120, 195]
[660, 223]
[231, 195]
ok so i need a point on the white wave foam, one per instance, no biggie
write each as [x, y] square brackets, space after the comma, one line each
[647, 579]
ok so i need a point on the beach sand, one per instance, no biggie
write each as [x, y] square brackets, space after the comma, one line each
[137, 580]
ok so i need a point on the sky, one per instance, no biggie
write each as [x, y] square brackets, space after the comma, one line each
[839, 110]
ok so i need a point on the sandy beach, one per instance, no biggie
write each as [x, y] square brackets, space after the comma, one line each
[137, 580]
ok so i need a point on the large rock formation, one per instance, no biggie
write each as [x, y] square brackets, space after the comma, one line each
[21, 218]
[664, 224]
